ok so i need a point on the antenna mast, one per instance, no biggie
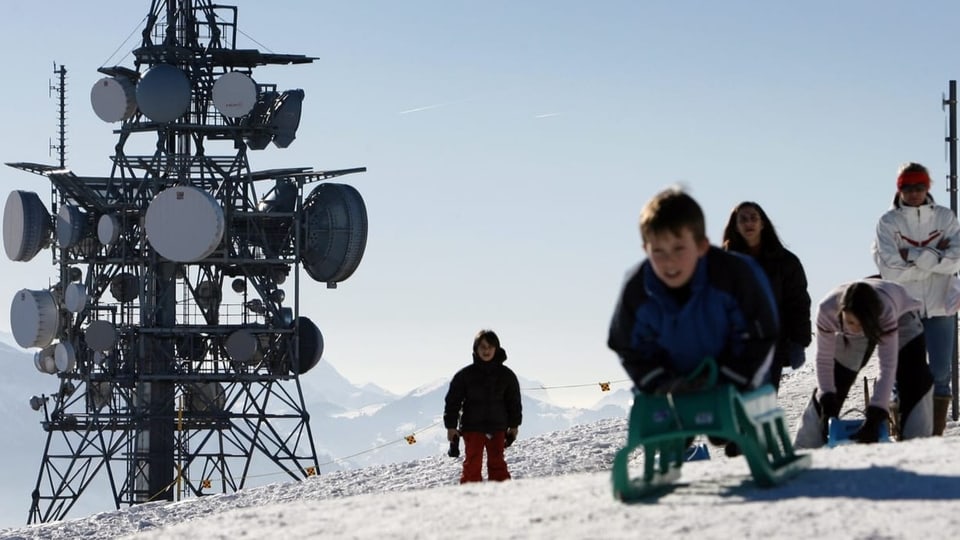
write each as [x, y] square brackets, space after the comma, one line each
[176, 351]
[60, 88]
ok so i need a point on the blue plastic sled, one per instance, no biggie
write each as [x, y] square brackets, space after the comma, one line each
[839, 431]
[697, 452]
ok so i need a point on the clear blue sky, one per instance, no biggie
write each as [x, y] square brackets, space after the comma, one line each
[511, 145]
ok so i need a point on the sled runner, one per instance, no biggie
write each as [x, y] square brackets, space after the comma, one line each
[663, 424]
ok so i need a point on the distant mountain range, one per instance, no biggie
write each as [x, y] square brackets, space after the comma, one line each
[353, 426]
[356, 426]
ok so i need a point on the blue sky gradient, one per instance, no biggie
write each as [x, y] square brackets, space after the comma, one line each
[511, 145]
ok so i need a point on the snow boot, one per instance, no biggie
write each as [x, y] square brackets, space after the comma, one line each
[895, 419]
[940, 406]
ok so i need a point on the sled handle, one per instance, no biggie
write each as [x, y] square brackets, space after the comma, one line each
[710, 366]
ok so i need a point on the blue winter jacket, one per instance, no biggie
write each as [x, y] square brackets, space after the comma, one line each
[729, 315]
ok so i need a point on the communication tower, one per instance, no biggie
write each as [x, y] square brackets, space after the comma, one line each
[176, 350]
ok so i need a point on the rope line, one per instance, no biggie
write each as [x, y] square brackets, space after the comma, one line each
[618, 381]
[604, 387]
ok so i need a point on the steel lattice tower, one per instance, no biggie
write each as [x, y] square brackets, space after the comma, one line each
[178, 354]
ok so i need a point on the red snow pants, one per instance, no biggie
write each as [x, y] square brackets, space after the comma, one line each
[474, 443]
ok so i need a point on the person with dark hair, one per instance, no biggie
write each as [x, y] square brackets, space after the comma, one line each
[483, 406]
[918, 246]
[750, 231]
[852, 321]
[689, 302]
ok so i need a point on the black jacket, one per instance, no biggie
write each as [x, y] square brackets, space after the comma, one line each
[488, 394]
[789, 285]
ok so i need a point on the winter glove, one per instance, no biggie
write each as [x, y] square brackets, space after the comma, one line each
[869, 431]
[453, 436]
[795, 355]
[510, 436]
[670, 385]
[681, 385]
[829, 408]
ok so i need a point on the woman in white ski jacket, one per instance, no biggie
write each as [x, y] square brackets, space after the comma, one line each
[918, 246]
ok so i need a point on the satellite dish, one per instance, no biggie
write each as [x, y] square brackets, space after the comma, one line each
[26, 225]
[277, 296]
[258, 121]
[184, 224]
[75, 297]
[65, 356]
[242, 346]
[125, 287]
[34, 318]
[163, 93]
[100, 335]
[310, 347]
[71, 225]
[284, 317]
[234, 94]
[108, 229]
[44, 360]
[286, 117]
[335, 236]
[114, 99]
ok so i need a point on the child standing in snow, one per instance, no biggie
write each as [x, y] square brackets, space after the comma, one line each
[484, 399]
[852, 320]
[690, 301]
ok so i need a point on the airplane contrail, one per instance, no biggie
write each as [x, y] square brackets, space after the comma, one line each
[547, 115]
[425, 108]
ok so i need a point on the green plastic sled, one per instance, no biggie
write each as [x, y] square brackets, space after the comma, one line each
[662, 424]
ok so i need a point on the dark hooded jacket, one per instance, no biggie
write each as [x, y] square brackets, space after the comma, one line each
[788, 282]
[484, 397]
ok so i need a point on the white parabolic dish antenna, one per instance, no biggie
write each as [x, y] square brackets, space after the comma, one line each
[108, 229]
[75, 297]
[65, 356]
[71, 225]
[113, 99]
[34, 318]
[184, 224]
[234, 94]
[26, 225]
[44, 361]
[163, 93]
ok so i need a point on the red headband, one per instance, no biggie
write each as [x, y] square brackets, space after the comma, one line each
[908, 178]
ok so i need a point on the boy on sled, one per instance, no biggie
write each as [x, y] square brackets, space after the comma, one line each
[690, 301]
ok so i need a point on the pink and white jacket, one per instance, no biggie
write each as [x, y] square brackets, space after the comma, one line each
[896, 301]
